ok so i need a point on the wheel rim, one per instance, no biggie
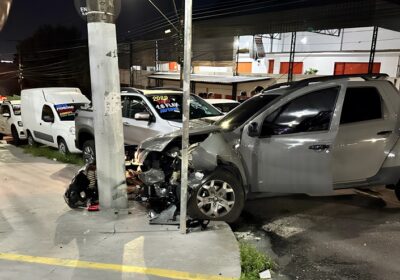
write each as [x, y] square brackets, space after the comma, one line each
[62, 148]
[88, 154]
[215, 198]
[30, 140]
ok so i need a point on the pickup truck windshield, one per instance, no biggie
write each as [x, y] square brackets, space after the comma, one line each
[169, 107]
[66, 112]
[246, 110]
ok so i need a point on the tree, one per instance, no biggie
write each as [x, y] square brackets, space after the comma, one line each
[55, 56]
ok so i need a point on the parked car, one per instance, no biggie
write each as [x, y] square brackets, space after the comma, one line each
[48, 115]
[145, 114]
[312, 137]
[224, 105]
[11, 121]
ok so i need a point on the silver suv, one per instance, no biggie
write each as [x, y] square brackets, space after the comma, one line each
[313, 137]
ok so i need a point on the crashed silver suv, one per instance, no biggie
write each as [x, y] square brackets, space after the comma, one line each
[313, 137]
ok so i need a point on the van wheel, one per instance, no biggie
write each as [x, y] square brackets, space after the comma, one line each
[15, 136]
[219, 198]
[89, 151]
[397, 192]
[31, 141]
[62, 147]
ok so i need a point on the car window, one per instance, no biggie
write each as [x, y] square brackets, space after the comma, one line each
[47, 111]
[361, 104]
[132, 105]
[5, 109]
[307, 113]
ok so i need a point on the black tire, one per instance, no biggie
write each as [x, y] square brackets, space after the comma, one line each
[89, 151]
[235, 194]
[31, 140]
[15, 136]
[1, 136]
[397, 192]
[62, 146]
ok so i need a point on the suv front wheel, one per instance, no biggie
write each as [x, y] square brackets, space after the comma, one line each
[219, 198]
[89, 151]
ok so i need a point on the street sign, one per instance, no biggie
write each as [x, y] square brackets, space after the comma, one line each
[82, 8]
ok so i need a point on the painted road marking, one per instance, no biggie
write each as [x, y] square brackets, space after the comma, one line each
[166, 273]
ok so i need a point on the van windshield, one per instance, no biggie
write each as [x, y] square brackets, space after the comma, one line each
[17, 109]
[66, 112]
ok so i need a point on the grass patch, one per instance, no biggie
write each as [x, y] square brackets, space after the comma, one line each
[253, 262]
[53, 154]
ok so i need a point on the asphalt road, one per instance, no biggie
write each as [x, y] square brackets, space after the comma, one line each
[341, 237]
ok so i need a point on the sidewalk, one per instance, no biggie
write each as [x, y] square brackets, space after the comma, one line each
[41, 238]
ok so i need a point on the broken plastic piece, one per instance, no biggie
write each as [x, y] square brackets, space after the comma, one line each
[166, 217]
[266, 274]
[152, 176]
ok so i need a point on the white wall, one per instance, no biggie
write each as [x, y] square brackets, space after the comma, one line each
[325, 62]
[353, 39]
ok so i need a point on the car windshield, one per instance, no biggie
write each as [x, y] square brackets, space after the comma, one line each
[226, 107]
[169, 107]
[66, 112]
[16, 109]
[246, 110]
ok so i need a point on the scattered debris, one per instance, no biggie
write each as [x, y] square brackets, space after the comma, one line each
[266, 274]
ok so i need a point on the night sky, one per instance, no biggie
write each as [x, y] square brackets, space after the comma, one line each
[27, 15]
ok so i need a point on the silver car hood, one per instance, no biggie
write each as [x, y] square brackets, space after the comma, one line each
[159, 143]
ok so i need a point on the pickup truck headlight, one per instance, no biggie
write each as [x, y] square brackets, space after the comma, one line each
[72, 130]
[20, 124]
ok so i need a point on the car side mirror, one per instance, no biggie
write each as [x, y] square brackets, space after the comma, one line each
[6, 115]
[252, 130]
[48, 119]
[144, 116]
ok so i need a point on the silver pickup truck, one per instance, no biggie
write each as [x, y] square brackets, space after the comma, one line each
[145, 114]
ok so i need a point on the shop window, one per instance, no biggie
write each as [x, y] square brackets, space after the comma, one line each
[297, 68]
[348, 68]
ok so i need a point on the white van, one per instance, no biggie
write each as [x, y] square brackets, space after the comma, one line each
[48, 115]
[11, 122]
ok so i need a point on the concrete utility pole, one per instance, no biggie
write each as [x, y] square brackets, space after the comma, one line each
[106, 100]
[187, 61]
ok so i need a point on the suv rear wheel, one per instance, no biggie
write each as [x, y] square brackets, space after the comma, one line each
[219, 198]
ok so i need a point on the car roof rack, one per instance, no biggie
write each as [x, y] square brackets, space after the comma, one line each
[130, 90]
[306, 82]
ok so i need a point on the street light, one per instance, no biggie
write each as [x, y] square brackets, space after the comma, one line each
[5, 6]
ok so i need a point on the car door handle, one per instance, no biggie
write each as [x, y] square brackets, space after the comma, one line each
[126, 123]
[385, 132]
[319, 148]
